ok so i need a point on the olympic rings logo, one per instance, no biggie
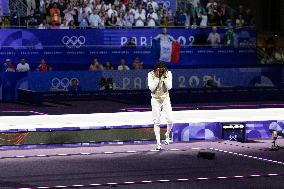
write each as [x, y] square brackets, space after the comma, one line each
[73, 42]
[166, 4]
[62, 84]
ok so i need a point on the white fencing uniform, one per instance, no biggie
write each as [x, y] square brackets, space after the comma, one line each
[160, 100]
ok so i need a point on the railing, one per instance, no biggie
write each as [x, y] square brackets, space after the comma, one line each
[133, 27]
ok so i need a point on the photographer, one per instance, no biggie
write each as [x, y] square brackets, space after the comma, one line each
[160, 82]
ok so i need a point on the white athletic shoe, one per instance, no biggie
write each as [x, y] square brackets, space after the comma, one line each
[158, 147]
[168, 140]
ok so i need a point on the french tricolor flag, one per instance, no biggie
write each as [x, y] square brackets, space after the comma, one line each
[166, 51]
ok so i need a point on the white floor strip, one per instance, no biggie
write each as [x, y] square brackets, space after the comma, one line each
[87, 121]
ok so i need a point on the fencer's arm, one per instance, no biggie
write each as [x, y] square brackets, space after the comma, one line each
[158, 37]
[152, 82]
[171, 38]
[169, 80]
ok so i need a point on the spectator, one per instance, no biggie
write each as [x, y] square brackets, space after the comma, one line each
[83, 23]
[131, 43]
[76, 17]
[31, 5]
[180, 18]
[222, 15]
[109, 84]
[23, 66]
[140, 17]
[161, 7]
[131, 8]
[72, 25]
[212, 11]
[95, 65]
[171, 18]
[121, 6]
[68, 15]
[122, 66]
[63, 6]
[112, 11]
[210, 82]
[200, 15]
[88, 10]
[119, 21]
[279, 55]
[152, 18]
[74, 87]
[240, 22]
[42, 10]
[103, 84]
[230, 38]
[106, 84]
[164, 20]
[141, 3]
[267, 60]
[8, 66]
[153, 4]
[198, 11]
[55, 14]
[148, 7]
[108, 66]
[137, 64]
[164, 37]
[214, 37]
[128, 19]
[43, 67]
[188, 18]
[112, 20]
[95, 20]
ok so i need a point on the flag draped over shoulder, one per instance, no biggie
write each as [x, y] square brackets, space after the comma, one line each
[175, 52]
[156, 48]
[166, 51]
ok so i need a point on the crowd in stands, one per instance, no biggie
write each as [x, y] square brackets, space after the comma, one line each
[273, 56]
[8, 66]
[133, 13]
[137, 64]
[23, 66]
[271, 49]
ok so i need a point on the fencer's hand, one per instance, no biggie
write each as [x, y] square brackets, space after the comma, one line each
[157, 73]
[165, 75]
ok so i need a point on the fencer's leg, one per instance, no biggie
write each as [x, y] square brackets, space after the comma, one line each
[156, 114]
[157, 131]
[167, 108]
[168, 133]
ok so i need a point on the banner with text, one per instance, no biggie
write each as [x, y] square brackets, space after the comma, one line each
[75, 49]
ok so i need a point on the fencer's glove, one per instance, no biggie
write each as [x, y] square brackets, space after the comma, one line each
[165, 75]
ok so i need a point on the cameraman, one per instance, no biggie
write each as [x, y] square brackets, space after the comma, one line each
[160, 82]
